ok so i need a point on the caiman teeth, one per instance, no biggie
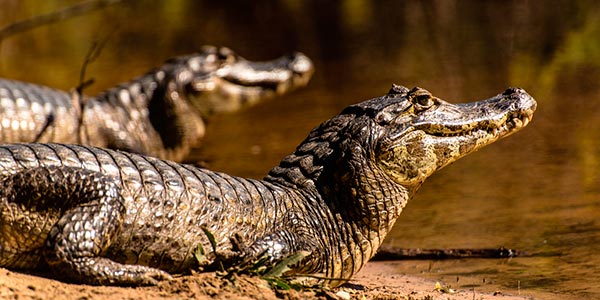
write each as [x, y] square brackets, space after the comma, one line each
[514, 121]
[518, 120]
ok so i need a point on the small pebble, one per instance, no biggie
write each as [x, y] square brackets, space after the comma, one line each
[343, 295]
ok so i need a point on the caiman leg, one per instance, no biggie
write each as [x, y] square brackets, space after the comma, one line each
[90, 215]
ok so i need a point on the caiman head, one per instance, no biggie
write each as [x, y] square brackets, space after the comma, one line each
[421, 134]
[218, 80]
[368, 161]
[189, 88]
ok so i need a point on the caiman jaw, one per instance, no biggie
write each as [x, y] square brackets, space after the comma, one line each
[279, 75]
[498, 128]
[495, 118]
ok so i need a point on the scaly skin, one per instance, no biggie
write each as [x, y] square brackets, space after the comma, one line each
[106, 217]
[161, 113]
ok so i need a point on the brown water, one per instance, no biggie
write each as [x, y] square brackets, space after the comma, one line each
[537, 191]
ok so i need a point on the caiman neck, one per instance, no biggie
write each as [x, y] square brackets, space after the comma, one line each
[149, 114]
[364, 202]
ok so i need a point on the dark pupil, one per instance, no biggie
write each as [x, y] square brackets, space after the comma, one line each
[223, 56]
[424, 100]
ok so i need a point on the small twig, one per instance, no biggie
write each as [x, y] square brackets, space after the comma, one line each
[55, 16]
[91, 56]
[391, 253]
[47, 124]
[77, 96]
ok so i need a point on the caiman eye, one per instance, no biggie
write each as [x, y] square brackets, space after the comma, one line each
[425, 101]
[421, 98]
[226, 55]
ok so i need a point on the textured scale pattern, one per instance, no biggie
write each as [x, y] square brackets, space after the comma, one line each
[161, 113]
[162, 208]
[36, 113]
[101, 216]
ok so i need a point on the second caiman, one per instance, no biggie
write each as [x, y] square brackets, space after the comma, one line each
[161, 113]
[100, 216]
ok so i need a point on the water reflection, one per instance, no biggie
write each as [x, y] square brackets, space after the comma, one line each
[538, 190]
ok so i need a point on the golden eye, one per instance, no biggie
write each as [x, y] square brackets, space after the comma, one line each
[421, 98]
[425, 101]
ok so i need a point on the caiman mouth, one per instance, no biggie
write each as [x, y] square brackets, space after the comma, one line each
[238, 82]
[279, 75]
[513, 122]
[497, 117]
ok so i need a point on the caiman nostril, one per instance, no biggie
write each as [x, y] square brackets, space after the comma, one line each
[525, 101]
[511, 90]
[301, 64]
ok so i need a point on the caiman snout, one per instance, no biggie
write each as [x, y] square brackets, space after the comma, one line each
[280, 74]
[523, 107]
[301, 65]
[244, 83]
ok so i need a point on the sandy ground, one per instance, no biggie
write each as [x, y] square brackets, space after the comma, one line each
[376, 281]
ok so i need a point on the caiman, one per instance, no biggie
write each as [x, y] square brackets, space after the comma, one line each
[161, 113]
[100, 216]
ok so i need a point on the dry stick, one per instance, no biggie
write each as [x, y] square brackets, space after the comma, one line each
[77, 95]
[92, 54]
[54, 16]
[393, 253]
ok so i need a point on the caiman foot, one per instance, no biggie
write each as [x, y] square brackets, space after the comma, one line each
[103, 271]
[269, 251]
